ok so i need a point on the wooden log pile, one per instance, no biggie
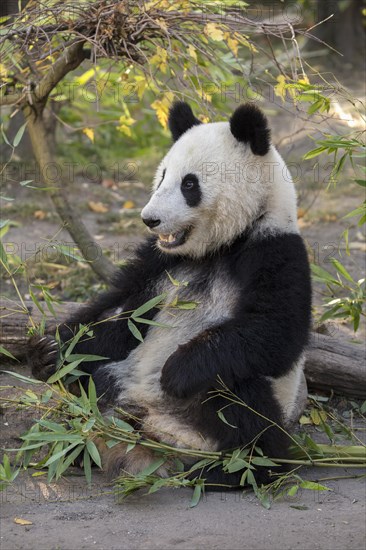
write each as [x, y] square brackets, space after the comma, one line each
[332, 363]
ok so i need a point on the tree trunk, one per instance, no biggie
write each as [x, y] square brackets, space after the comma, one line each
[331, 365]
[90, 250]
[34, 113]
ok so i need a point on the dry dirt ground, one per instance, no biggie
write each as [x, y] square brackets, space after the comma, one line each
[69, 516]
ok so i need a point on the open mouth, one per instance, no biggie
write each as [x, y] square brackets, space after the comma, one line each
[172, 240]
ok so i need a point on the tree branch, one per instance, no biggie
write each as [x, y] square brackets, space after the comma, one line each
[72, 57]
[11, 99]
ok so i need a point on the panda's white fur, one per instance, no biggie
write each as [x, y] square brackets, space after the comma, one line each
[232, 242]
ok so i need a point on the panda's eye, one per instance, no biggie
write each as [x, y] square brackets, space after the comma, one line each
[189, 182]
[191, 190]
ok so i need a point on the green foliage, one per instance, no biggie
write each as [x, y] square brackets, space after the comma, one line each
[346, 297]
[351, 306]
[72, 427]
[7, 475]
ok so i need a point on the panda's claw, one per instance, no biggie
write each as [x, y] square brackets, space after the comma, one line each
[53, 344]
[42, 356]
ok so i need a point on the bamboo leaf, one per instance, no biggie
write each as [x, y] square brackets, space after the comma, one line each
[196, 497]
[19, 135]
[151, 468]
[150, 322]
[323, 275]
[148, 305]
[342, 270]
[87, 466]
[58, 455]
[135, 331]
[94, 453]
[220, 414]
[7, 353]
[66, 369]
[23, 378]
[262, 461]
[237, 465]
[314, 486]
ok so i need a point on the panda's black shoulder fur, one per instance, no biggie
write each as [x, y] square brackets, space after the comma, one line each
[270, 326]
[248, 124]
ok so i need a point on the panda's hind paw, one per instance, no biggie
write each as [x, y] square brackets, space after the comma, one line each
[42, 355]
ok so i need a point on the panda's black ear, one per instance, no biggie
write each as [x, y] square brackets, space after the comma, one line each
[181, 119]
[249, 125]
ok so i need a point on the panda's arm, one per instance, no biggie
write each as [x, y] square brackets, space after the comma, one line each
[111, 338]
[268, 331]
[131, 289]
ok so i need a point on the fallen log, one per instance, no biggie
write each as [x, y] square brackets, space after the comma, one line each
[332, 363]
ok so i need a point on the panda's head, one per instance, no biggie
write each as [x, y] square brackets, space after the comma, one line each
[218, 180]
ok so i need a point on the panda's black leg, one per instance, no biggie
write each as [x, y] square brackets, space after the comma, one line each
[42, 356]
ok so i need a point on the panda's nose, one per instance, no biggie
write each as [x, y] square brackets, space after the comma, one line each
[150, 222]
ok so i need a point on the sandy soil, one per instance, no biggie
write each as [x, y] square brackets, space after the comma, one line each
[69, 516]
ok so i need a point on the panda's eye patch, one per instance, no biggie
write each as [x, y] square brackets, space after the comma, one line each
[191, 190]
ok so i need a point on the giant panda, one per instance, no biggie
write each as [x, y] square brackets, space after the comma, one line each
[223, 237]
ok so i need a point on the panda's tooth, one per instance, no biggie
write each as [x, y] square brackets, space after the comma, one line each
[171, 238]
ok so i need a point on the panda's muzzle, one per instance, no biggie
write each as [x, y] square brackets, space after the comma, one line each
[172, 240]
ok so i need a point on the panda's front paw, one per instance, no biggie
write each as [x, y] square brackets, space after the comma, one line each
[177, 377]
[42, 355]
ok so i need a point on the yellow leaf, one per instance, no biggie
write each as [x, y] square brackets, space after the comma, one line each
[125, 130]
[280, 88]
[85, 77]
[39, 214]
[304, 80]
[304, 420]
[233, 45]
[140, 87]
[214, 32]
[89, 132]
[245, 42]
[125, 121]
[192, 52]
[317, 416]
[129, 204]
[205, 96]
[98, 207]
[160, 57]
[162, 24]
[21, 521]
[161, 107]
[3, 71]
